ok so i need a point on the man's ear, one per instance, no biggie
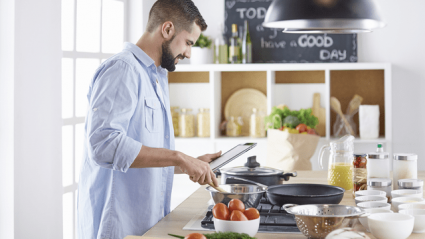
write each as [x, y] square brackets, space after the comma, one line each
[168, 30]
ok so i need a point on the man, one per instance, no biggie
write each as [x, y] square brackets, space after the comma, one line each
[127, 173]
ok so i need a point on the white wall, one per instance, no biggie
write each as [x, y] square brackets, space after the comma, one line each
[30, 119]
[402, 43]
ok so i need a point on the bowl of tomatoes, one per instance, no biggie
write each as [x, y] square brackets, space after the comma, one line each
[234, 217]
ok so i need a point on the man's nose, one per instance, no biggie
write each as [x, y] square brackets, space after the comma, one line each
[188, 53]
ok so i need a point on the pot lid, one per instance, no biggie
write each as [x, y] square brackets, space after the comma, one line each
[251, 168]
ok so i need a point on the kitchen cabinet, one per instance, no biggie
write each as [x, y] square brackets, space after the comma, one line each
[209, 86]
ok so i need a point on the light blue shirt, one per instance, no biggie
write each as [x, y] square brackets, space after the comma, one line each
[125, 112]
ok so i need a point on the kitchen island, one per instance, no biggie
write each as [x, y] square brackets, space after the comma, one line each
[197, 204]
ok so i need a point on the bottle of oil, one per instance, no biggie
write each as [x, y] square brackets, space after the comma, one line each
[234, 46]
[246, 45]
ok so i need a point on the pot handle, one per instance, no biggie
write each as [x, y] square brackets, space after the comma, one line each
[286, 176]
[287, 206]
[250, 181]
[217, 173]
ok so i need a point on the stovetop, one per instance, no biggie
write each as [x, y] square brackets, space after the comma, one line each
[273, 219]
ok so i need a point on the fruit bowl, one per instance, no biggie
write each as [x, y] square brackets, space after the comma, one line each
[249, 227]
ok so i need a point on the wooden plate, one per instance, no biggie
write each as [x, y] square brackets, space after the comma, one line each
[242, 102]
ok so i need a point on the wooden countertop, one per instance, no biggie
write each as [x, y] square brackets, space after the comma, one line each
[197, 204]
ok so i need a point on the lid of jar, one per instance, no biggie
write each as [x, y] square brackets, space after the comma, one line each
[410, 183]
[203, 109]
[379, 182]
[413, 157]
[359, 155]
[378, 155]
[186, 109]
[174, 107]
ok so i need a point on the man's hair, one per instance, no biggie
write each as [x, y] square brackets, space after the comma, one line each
[182, 13]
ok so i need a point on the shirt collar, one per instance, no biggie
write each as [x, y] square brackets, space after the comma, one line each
[143, 57]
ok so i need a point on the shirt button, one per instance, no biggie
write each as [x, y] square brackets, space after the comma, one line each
[166, 136]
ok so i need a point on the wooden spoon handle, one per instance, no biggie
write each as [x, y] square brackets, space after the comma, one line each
[218, 188]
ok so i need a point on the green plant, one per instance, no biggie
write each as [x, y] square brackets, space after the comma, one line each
[203, 42]
[277, 118]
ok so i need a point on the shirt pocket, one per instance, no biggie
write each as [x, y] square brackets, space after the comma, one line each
[152, 115]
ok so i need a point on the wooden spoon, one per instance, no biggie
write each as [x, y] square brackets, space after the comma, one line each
[354, 104]
[218, 188]
[337, 107]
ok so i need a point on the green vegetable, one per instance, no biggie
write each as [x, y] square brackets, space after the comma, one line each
[222, 235]
[203, 41]
[291, 121]
[277, 117]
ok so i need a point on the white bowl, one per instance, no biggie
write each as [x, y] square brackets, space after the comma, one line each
[406, 193]
[411, 206]
[371, 199]
[364, 221]
[403, 200]
[391, 225]
[249, 227]
[382, 205]
[419, 214]
[370, 193]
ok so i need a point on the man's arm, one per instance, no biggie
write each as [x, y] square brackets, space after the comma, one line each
[198, 170]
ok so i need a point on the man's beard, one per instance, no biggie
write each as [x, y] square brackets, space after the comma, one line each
[167, 59]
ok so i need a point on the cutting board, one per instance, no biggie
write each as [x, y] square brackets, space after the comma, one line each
[320, 113]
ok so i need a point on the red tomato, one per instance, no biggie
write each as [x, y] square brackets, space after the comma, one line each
[220, 211]
[236, 204]
[311, 131]
[195, 235]
[238, 216]
[301, 128]
[251, 213]
[282, 128]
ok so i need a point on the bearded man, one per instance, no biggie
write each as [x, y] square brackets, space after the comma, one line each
[129, 158]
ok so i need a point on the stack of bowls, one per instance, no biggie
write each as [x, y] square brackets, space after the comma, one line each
[405, 200]
[369, 199]
[417, 210]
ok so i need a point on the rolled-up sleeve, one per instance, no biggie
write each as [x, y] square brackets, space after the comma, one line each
[113, 97]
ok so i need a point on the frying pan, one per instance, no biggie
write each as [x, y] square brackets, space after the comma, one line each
[301, 193]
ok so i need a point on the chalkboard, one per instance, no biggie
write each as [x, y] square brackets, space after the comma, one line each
[274, 46]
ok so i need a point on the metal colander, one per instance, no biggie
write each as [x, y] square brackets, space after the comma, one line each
[318, 220]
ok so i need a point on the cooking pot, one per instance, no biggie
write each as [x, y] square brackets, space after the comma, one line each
[252, 171]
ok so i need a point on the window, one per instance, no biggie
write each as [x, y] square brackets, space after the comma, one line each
[92, 31]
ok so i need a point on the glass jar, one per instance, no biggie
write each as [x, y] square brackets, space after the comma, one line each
[233, 129]
[175, 112]
[404, 166]
[186, 123]
[359, 172]
[378, 164]
[340, 167]
[204, 122]
[413, 184]
[256, 124]
[381, 184]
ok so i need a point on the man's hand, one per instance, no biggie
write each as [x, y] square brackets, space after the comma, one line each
[198, 169]
[209, 157]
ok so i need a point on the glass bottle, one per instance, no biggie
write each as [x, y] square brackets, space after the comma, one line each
[378, 163]
[359, 172]
[233, 129]
[204, 122]
[175, 112]
[340, 168]
[246, 45]
[234, 47]
[186, 123]
[405, 166]
[256, 124]
[221, 55]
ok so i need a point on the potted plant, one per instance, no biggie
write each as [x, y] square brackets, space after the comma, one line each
[201, 52]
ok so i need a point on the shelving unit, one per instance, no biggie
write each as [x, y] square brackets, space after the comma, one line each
[210, 86]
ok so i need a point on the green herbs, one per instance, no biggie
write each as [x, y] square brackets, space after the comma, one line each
[203, 41]
[228, 235]
[277, 118]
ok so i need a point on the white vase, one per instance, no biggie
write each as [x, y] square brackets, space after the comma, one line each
[201, 56]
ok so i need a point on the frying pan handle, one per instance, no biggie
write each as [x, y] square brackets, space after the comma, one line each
[286, 176]
[249, 181]
[287, 206]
